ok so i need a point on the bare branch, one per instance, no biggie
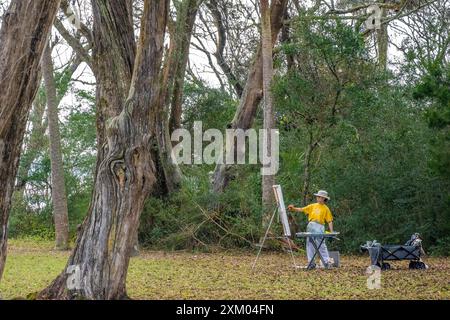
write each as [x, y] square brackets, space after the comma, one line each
[83, 28]
[74, 43]
[221, 42]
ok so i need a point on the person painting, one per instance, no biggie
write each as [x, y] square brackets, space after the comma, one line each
[318, 215]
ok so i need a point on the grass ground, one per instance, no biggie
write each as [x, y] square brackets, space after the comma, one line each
[32, 265]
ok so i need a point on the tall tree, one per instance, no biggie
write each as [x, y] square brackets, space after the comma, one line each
[125, 177]
[59, 198]
[180, 38]
[169, 119]
[35, 140]
[112, 62]
[268, 124]
[252, 94]
[23, 37]
[383, 41]
[33, 143]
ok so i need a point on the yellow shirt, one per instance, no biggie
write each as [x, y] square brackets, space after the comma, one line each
[318, 212]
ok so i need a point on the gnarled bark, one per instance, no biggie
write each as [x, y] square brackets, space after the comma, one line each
[125, 177]
[113, 55]
[23, 37]
[245, 114]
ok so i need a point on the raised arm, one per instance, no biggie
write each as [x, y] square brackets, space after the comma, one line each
[294, 209]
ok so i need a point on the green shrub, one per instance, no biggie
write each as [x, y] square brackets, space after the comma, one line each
[196, 218]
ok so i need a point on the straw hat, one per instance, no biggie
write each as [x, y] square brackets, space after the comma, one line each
[322, 193]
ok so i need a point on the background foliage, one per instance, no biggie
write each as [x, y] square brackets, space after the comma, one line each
[382, 153]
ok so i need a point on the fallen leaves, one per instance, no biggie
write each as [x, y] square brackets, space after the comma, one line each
[183, 275]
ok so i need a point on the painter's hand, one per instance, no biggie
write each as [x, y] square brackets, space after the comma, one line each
[291, 207]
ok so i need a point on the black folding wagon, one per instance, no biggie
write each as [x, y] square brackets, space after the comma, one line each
[412, 250]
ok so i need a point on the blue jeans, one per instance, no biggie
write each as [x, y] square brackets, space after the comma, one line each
[315, 227]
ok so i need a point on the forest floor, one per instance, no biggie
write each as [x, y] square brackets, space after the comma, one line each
[32, 265]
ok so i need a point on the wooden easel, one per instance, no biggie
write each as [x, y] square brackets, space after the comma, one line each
[284, 220]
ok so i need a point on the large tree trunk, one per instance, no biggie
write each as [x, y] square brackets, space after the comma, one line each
[245, 114]
[125, 178]
[113, 55]
[23, 37]
[268, 123]
[113, 62]
[59, 198]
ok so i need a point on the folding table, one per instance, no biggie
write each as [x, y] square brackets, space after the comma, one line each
[310, 236]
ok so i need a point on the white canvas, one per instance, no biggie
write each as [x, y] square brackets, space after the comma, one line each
[282, 210]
